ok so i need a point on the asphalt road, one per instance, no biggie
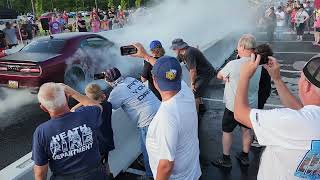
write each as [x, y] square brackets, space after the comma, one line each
[16, 139]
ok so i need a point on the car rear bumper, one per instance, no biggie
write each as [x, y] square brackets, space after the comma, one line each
[30, 83]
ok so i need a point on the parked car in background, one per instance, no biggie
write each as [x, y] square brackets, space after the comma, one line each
[72, 14]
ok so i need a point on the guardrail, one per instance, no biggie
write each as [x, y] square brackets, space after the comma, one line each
[127, 145]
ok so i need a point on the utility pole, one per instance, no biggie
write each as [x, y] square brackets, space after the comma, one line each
[33, 10]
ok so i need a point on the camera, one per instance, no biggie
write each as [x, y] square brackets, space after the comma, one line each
[128, 50]
[99, 76]
[264, 50]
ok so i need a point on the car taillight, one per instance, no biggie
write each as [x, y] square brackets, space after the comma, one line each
[3, 69]
[30, 70]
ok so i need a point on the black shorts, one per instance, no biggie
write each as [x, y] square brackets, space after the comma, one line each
[229, 123]
[317, 29]
[201, 86]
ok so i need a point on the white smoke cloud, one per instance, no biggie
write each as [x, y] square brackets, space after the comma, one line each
[12, 100]
[198, 22]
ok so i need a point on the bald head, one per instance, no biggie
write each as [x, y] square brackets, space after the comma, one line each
[52, 97]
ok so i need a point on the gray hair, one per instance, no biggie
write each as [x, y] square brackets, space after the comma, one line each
[52, 96]
[247, 41]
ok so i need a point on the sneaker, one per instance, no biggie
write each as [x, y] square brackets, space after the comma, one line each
[256, 144]
[221, 162]
[244, 160]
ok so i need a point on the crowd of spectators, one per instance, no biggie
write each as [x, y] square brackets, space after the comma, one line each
[76, 141]
[298, 17]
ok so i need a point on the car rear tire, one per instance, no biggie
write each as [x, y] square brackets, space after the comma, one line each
[75, 78]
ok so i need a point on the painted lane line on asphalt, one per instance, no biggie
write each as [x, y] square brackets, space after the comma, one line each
[289, 71]
[220, 100]
[315, 53]
[286, 41]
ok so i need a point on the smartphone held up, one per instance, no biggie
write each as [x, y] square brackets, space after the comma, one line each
[99, 76]
[128, 50]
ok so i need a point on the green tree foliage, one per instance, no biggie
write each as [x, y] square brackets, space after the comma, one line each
[138, 3]
[110, 3]
[123, 4]
[38, 7]
[41, 6]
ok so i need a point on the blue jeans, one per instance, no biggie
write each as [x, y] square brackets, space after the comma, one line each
[143, 134]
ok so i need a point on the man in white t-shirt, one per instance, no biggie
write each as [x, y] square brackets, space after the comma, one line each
[230, 73]
[280, 17]
[172, 139]
[291, 135]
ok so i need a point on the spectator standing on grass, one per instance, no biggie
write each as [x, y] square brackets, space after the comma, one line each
[62, 22]
[65, 17]
[10, 35]
[95, 24]
[310, 10]
[105, 132]
[54, 26]
[172, 140]
[300, 21]
[157, 51]
[137, 101]
[201, 71]
[291, 135]
[82, 27]
[68, 141]
[293, 19]
[230, 74]
[288, 11]
[280, 21]
[317, 31]
[271, 24]
[105, 23]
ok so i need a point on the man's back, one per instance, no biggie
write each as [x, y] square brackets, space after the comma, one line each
[177, 120]
[10, 35]
[232, 70]
[69, 143]
[196, 59]
[136, 100]
[105, 132]
[289, 154]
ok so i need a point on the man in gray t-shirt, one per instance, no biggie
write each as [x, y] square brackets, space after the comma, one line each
[10, 35]
[137, 101]
[231, 73]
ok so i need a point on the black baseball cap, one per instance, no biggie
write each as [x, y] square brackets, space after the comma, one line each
[311, 70]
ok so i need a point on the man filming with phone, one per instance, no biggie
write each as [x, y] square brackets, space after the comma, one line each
[291, 135]
[137, 101]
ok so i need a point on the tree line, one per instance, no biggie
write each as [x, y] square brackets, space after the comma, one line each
[25, 6]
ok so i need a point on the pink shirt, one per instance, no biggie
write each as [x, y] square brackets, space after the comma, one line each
[95, 26]
[317, 23]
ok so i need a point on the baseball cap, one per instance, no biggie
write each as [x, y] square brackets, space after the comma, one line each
[155, 44]
[167, 72]
[178, 44]
[112, 74]
[311, 70]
